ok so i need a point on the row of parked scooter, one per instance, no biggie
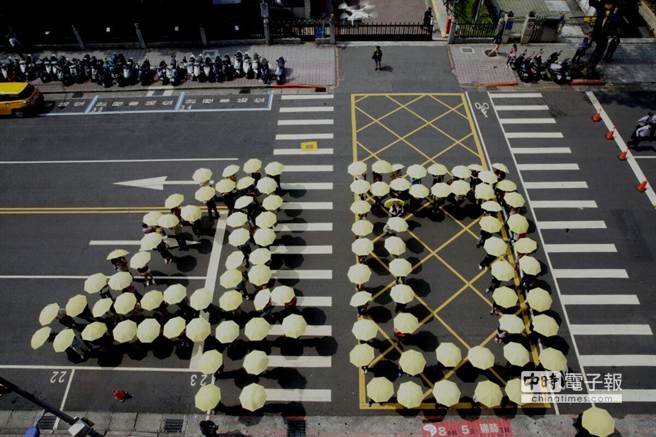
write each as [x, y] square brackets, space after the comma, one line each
[531, 68]
[123, 72]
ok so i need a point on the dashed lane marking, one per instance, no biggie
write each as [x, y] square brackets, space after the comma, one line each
[600, 299]
[610, 329]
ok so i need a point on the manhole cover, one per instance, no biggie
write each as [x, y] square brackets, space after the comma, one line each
[173, 425]
[466, 50]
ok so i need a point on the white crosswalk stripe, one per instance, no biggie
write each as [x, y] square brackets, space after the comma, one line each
[512, 135]
[548, 167]
[299, 151]
[313, 136]
[527, 120]
[290, 186]
[541, 150]
[600, 299]
[610, 329]
[306, 96]
[579, 248]
[579, 204]
[571, 224]
[555, 185]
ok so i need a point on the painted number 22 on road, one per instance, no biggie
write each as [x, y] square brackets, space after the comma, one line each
[58, 376]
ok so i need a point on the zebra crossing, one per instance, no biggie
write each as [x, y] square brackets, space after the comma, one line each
[594, 286]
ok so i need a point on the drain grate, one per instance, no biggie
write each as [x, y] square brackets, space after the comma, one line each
[47, 422]
[466, 50]
[295, 428]
[173, 425]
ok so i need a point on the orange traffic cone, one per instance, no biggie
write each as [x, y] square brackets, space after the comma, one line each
[622, 155]
[610, 135]
[596, 117]
[642, 186]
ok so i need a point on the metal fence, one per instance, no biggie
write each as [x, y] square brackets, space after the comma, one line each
[475, 30]
[383, 32]
[305, 30]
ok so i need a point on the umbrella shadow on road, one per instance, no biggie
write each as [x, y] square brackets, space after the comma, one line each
[424, 340]
[185, 263]
[379, 314]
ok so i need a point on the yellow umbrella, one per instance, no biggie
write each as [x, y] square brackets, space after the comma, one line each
[397, 224]
[490, 224]
[174, 327]
[225, 186]
[460, 187]
[598, 422]
[243, 201]
[252, 397]
[530, 265]
[488, 394]
[448, 354]
[230, 300]
[475, 167]
[506, 186]
[209, 362]
[94, 283]
[202, 175]
[266, 220]
[120, 281]
[40, 337]
[488, 177]
[76, 305]
[441, 190]
[511, 324]
[255, 362]
[381, 167]
[419, 191]
[151, 218]
[393, 201]
[230, 171]
[174, 201]
[539, 299]
[406, 323]
[237, 219]
[272, 202]
[200, 299]
[360, 298]
[505, 297]
[175, 293]
[168, 221]
[230, 278]
[362, 246]
[437, 169]
[124, 331]
[148, 330]
[484, 192]
[151, 241]
[207, 397]
[274, 168]
[553, 359]
[101, 307]
[380, 389]
[239, 237]
[259, 256]
[357, 168]
[245, 182]
[152, 300]
[63, 340]
[400, 184]
[410, 394]
[360, 207]
[257, 329]
[359, 273]
[516, 354]
[525, 245]
[282, 295]
[294, 325]
[227, 331]
[412, 362]
[491, 206]
[203, 194]
[253, 165]
[264, 237]
[495, 246]
[359, 186]
[262, 299]
[500, 167]
[365, 329]
[117, 253]
[379, 189]
[446, 393]
[259, 275]
[402, 293]
[140, 260]
[461, 172]
[400, 267]
[514, 390]
[480, 357]
[362, 228]
[502, 270]
[93, 331]
[125, 303]
[518, 224]
[198, 329]
[395, 246]
[361, 355]
[416, 171]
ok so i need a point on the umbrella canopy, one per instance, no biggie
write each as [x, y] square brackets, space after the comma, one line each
[230, 278]
[116, 253]
[259, 275]
[359, 273]
[264, 237]
[125, 303]
[448, 354]
[361, 355]
[120, 281]
[148, 330]
[446, 393]
[63, 340]
[362, 246]
[480, 357]
[437, 169]
[539, 299]
[200, 299]
[191, 213]
[260, 256]
[230, 300]
[525, 245]
[416, 171]
[518, 224]
[419, 191]
[150, 241]
[380, 389]
[397, 166]
[245, 182]
[500, 167]
[488, 177]
[198, 329]
[362, 228]
[505, 297]
[400, 184]
[365, 329]
[151, 218]
[243, 202]
[230, 171]
[502, 270]
[495, 246]
[484, 192]
[379, 189]
[252, 397]
[381, 167]
[488, 394]
[461, 172]
[460, 187]
[152, 300]
[209, 362]
[235, 260]
[506, 185]
[513, 390]
[101, 307]
[272, 202]
[475, 167]
[207, 397]
[227, 331]
[360, 207]
[140, 260]
[40, 337]
[94, 331]
[397, 224]
[202, 175]
[402, 293]
[253, 165]
[96, 282]
[174, 327]
[175, 293]
[490, 224]
[412, 362]
[203, 194]
[359, 186]
[410, 394]
[516, 354]
[76, 305]
[266, 220]
[262, 299]
[491, 206]
[239, 237]
[441, 190]
[598, 422]
[514, 200]
[274, 168]
[553, 359]
[406, 323]
[237, 219]
[282, 295]
[225, 186]
[360, 298]
[256, 362]
[357, 168]
[511, 324]
[393, 201]
[400, 267]
[294, 325]
[174, 201]
[530, 265]
[124, 331]
[257, 329]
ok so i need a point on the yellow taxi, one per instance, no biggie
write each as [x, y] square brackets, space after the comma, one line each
[19, 99]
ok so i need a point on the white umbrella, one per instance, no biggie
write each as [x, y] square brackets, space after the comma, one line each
[116, 253]
[230, 170]
[530, 265]
[264, 237]
[359, 186]
[361, 355]
[235, 260]
[437, 169]
[359, 273]
[365, 329]
[272, 202]
[395, 246]
[490, 224]
[267, 185]
[148, 330]
[202, 175]
[94, 283]
[400, 184]
[48, 314]
[491, 206]
[230, 278]
[101, 307]
[446, 393]
[360, 298]
[480, 357]
[204, 194]
[460, 187]
[257, 329]
[266, 219]
[441, 190]
[410, 394]
[175, 293]
[151, 241]
[253, 165]
[418, 191]
[230, 300]
[362, 228]
[475, 167]
[484, 192]
[259, 275]
[76, 305]
[168, 221]
[379, 189]
[200, 299]
[360, 207]
[174, 327]
[412, 362]
[416, 171]
[487, 177]
[124, 331]
[151, 300]
[239, 237]
[252, 397]
[502, 270]
[174, 201]
[93, 331]
[119, 281]
[448, 354]
[237, 219]
[40, 337]
[506, 185]
[255, 362]
[64, 340]
[243, 201]
[225, 186]
[400, 267]
[518, 224]
[402, 293]
[461, 172]
[282, 295]
[245, 182]
[140, 260]
[262, 299]
[198, 329]
[488, 394]
[207, 397]
[125, 303]
[381, 167]
[362, 247]
[227, 331]
[260, 256]
[357, 168]
[209, 362]
[500, 167]
[151, 218]
[191, 213]
[397, 224]
[274, 168]
[294, 325]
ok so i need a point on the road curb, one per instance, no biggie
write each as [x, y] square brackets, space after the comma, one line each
[63, 90]
[502, 84]
[598, 82]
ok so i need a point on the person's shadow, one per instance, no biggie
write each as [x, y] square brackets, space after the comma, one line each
[388, 68]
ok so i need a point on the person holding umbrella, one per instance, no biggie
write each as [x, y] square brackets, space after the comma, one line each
[117, 258]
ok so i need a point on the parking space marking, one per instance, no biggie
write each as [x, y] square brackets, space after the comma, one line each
[600, 299]
[610, 329]
[590, 273]
[555, 185]
[580, 248]
[62, 405]
[572, 224]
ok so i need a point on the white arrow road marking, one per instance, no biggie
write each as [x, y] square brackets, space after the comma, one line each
[156, 183]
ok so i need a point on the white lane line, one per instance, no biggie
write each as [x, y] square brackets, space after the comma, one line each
[307, 109]
[167, 93]
[511, 135]
[630, 395]
[306, 185]
[62, 405]
[310, 331]
[307, 205]
[299, 151]
[97, 368]
[573, 224]
[644, 157]
[580, 248]
[297, 395]
[302, 274]
[559, 185]
[299, 361]
[309, 168]
[610, 329]
[301, 250]
[541, 150]
[590, 273]
[547, 167]
[134, 242]
[527, 120]
[618, 360]
[303, 227]
[306, 96]
[116, 161]
[319, 136]
[307, 122]
[314, 301]
[600, 299]
[514, 95]
[177, 278]
[580, 204]
[521, 107]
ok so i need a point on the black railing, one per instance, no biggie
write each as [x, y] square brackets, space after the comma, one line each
[475, 30]
[383, 31]
[305, 30]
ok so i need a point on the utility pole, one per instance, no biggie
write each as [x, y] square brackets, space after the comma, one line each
[80, 427]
